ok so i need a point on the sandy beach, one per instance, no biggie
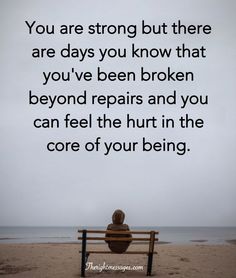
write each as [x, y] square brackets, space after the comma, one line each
[63, 260]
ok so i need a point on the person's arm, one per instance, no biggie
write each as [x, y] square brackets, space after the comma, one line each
[107, 235]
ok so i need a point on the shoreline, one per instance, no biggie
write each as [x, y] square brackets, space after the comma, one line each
[68, 234]
[187, 243]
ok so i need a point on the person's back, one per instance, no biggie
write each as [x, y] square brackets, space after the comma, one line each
[117, 225]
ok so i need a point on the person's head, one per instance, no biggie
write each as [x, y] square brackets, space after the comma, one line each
[118, 217]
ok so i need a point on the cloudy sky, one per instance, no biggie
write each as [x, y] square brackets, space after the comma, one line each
[80, 188]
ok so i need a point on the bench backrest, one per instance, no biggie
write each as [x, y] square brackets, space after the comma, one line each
[148, 236]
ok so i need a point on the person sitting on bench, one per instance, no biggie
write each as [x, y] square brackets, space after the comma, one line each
[118, 218]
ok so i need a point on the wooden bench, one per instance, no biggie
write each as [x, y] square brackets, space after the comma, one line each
[150, 238]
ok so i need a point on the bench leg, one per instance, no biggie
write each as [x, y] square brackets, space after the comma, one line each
[87, 255]
[149, 264]
[83, 255]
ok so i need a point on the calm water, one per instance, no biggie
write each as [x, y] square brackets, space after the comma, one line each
[176, 235]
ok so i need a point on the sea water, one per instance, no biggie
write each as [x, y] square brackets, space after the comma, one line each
[174, 235]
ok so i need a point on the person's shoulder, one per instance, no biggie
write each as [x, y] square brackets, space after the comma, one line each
[109, 227]
[126, 226]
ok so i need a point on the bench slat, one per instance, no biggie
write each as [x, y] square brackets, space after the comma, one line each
[118, 238]
[117, 232]
[128, 252]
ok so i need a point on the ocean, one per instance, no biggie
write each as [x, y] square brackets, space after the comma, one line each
[174, 235]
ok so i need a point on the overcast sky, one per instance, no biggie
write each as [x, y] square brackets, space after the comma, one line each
[78, 188]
